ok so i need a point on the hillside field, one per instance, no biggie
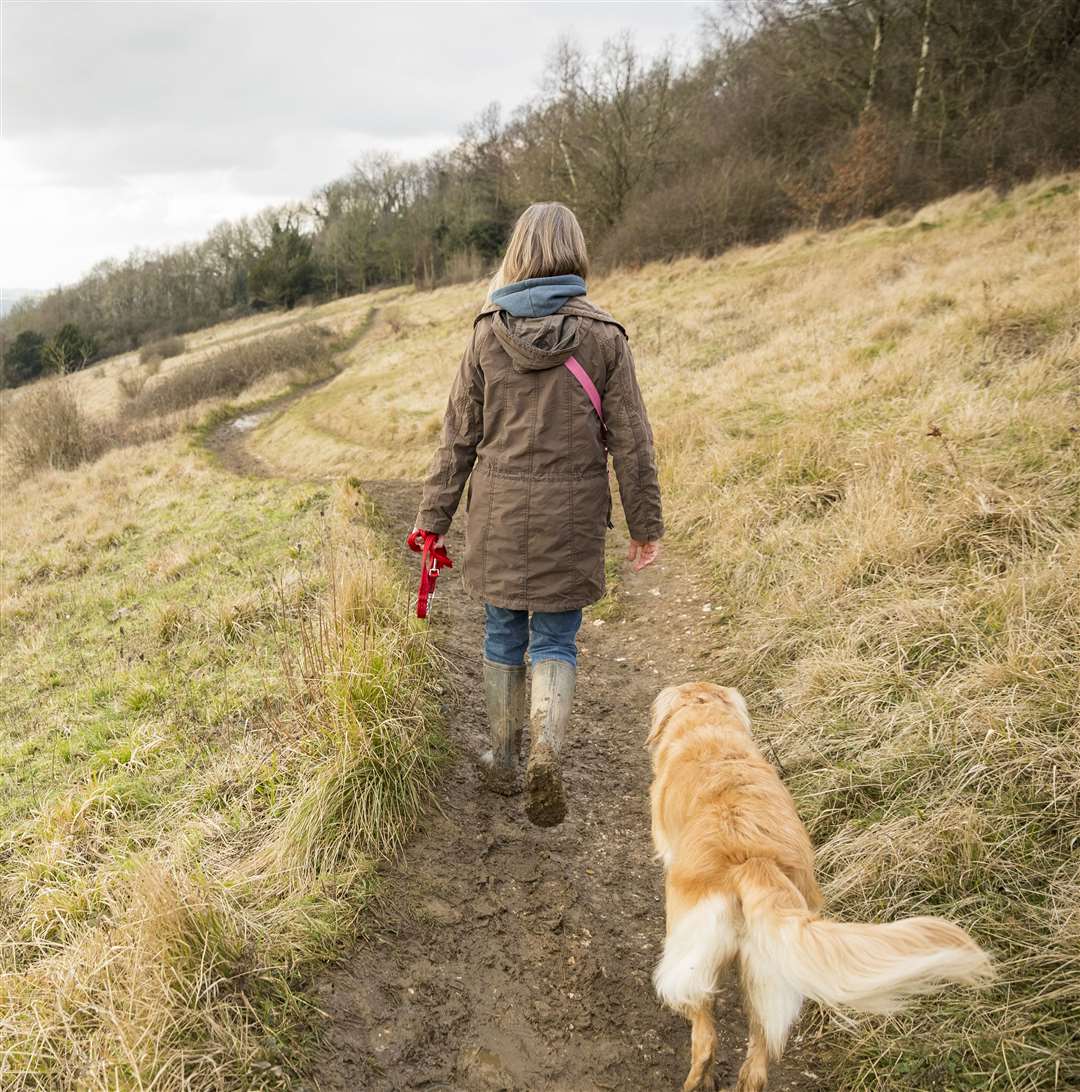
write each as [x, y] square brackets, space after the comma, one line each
[218, 717]
[873, 436]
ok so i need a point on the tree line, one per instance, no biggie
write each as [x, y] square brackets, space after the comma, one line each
[798, 112]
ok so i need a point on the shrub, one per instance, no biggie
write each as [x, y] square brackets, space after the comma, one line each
[69, 350]
[305, 351]
[46, 429]
[860, 176]
[23, 359]
[704, 211]
[162, 349]
[131, 383]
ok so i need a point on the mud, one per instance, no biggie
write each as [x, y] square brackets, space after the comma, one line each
[227, 442]
[508, 957]
[503, 956]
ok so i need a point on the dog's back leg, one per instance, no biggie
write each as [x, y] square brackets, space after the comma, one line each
[703, 1047]
[772, 1007]
[754, 1073]
[702, 940]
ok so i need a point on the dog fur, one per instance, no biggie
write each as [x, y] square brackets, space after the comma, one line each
[740, 886]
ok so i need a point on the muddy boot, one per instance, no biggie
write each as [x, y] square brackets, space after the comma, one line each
[504, 689]
[552, 697]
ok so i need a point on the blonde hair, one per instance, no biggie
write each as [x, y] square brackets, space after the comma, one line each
[547, 241]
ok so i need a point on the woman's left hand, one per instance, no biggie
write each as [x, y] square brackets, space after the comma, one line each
[642, 554]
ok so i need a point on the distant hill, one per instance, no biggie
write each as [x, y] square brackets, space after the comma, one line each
[11, 296]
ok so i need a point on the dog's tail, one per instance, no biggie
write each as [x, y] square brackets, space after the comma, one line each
[789, 953]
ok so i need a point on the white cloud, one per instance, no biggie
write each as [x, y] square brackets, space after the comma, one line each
[142, 124]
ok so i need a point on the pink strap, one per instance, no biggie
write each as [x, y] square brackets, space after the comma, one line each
[587, 385]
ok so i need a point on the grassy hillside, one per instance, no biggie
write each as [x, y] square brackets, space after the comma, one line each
[873, 439]
[217, 719]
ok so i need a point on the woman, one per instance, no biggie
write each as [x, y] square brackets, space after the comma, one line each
[521, 420]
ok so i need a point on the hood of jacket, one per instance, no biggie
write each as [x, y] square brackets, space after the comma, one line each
[534, 344]
[538, 296]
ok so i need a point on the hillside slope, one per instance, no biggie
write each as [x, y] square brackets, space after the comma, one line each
[870, 447]
[871, 436]
[217, 718]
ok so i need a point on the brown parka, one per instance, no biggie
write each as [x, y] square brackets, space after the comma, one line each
[521, 424]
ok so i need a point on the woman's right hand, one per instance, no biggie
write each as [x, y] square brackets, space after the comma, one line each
[642, 554]
[439, 541]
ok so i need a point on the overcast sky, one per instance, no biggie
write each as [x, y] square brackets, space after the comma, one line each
[142, 124]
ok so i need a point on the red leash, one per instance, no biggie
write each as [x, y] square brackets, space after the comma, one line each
[432, 558]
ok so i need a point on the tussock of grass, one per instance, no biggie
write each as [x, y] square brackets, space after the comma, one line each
[162, 349]
[305, 353]
[207, 748]
[871, 437]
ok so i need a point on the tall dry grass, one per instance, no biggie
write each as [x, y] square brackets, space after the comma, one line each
[886, 487]
[872, 439]
[156, 930]
[304, 354]
[162, 349]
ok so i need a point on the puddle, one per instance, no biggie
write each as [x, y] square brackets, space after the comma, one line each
[249, 421]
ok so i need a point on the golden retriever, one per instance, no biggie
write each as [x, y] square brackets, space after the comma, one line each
[740, 884]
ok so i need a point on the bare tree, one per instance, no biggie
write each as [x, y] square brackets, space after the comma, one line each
[876, 14]
[924, 54]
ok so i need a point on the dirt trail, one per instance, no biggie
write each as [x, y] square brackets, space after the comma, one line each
[505, 957]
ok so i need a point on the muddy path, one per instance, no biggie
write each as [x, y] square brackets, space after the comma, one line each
[227, 441]
[500, 956]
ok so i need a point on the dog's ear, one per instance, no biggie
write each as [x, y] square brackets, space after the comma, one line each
[738, 703]
[662, 708]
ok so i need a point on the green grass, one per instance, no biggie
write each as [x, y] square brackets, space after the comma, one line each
[218, 719]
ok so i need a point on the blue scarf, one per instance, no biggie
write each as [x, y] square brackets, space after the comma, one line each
[538, 296]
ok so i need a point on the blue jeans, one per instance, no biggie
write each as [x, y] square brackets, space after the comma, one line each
[548, 635]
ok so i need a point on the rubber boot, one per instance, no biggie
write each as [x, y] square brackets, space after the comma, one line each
[504, 690]
[552, 698]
